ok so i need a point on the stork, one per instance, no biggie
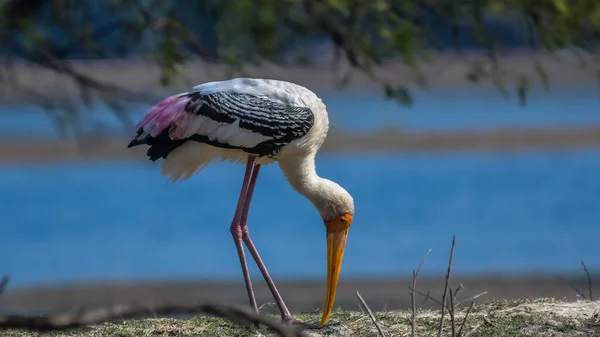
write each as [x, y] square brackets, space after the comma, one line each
[254, 122]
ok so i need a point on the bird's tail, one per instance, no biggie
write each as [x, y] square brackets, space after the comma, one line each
[165, 128]
[167, 112]
[186, 160]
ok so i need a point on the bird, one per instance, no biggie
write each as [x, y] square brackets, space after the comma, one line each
[256, 122]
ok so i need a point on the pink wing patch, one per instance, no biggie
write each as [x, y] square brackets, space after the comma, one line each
[170, 112]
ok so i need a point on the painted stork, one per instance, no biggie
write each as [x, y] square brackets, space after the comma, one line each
[255, 122]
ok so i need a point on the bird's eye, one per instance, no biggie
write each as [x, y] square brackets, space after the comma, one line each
[342, 220]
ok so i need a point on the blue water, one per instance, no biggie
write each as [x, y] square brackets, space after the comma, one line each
[447, 109]
[512, 213]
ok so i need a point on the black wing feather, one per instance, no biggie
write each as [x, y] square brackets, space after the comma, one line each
[282, 123]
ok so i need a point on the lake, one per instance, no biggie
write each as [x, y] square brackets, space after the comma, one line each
[449, 109]
[522, 212]
[512, 213]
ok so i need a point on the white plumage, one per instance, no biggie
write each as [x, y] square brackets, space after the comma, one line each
[255, 122]
[191, 157]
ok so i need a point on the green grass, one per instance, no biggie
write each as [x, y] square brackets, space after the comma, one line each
[539, 317]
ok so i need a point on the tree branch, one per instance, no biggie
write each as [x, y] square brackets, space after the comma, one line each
[119, 312]
[83, 318]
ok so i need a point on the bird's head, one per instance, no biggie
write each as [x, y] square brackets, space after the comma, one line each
[337, 233]
[337, 213]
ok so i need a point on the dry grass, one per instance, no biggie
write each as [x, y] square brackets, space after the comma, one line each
[540, 317]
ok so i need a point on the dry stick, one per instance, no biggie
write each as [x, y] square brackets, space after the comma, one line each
[453, 305]
[471, 298]
[462, 325]
[370, 314]
[573, 287]
[119, 312]
[589, 279]
[436, 301]
[446, 287]
[413, 319]
[412, 294]
[457, 290]
[472, 331]
[267, 305]
[451, 311]
[427, 296]
[3, 284]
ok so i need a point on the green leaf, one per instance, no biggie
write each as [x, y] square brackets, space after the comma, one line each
[399, 93]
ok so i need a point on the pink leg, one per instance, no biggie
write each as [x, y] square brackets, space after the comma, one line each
[285, 313]
[237, 232]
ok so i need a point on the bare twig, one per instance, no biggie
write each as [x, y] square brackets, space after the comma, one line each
[436, 301]
[446, 287]
[127, 311]
[451, 311]
[589, 279]
[472, 331]
[458, 289]
[412, 294]
[462, 325]
[267, 305]
[578, 292]
[423, 261]
[471, 298]
[362, 301]
[427, 296]
[119, 312]
[413, 320]
[3, 284]
[453, 306]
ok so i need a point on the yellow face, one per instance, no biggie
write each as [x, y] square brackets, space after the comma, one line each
[337, 233]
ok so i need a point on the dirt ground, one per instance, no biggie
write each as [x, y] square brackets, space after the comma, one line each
[521, 318]
[32, 150]
[300, 296]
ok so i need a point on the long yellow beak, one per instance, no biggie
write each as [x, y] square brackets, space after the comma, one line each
[336, 244]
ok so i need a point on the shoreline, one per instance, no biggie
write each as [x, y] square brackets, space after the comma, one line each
[301, 296]
[445, 71]
[43, 150]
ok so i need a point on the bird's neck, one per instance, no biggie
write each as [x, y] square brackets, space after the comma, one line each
[301, 173]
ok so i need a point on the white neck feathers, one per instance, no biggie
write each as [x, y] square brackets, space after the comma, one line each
[328, 197]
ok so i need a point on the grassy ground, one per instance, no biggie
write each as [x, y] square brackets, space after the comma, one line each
[539, 317]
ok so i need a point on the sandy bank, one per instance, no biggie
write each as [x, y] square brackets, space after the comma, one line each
[300, 296]
[34, 150]
[445, 71]
[535, 317]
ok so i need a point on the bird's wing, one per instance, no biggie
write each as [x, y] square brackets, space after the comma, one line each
[280, 91]
[230, 117]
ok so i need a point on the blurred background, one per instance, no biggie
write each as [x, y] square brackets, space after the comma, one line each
[475, 119]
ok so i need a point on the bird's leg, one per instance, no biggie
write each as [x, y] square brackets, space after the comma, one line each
[237, 232]
[285, 313]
